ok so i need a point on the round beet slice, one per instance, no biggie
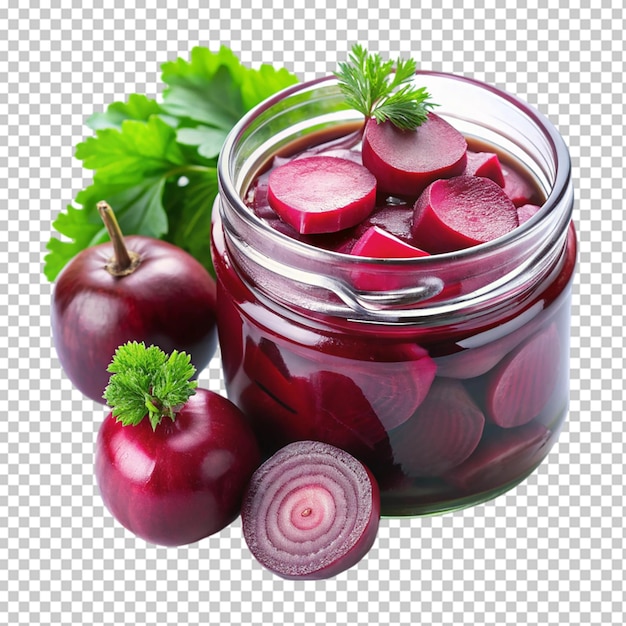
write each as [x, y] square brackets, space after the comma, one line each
[406, 162]
[443, 432]
[311, 511]
[522, 383]
[460, 212]
[321, 194]
[502, 456]
[393, 378]
[320, 405]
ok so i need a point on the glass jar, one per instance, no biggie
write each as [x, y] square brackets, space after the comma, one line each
[450, 380]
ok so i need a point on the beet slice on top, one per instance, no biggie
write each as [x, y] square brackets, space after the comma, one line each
[321, 194]
[460, 212]
[406, 162]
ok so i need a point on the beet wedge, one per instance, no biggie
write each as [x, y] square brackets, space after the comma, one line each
[461, 212]
[406, 162]
[486, 164]
[503, 456]
[519, 188]
[321, 194]
[523, 382]
[311, 511]
[378, 243]
[443, 432]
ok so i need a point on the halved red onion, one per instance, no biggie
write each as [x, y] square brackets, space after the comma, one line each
[311, 511]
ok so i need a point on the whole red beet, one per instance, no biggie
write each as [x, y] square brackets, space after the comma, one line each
[139, 289]
[172, 460]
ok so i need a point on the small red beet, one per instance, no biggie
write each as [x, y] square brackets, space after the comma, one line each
[443, 432]
[164, 297]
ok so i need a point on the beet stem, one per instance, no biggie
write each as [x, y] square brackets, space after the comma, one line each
[123, 261]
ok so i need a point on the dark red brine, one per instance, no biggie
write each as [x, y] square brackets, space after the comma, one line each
[429, 338]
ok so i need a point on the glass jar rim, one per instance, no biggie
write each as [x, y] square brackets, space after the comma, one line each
[558, 190]
[556, 196]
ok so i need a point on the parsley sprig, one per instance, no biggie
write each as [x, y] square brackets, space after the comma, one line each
[155, 160]
[148, 382]
[383, 90]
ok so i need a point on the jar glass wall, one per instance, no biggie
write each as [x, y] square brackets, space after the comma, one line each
[451, 381]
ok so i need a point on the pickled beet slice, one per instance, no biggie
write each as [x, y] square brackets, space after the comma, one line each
[526, 211]
[321, 194]
[518, 188]
[522, 383]
[395, 219]
[482, 351]
[486, 164]
[257, 200]
[378, 243]
[394, 378]
[343, 415]
[325, 406]
[443, 432]
[502, 456]
[406, 162]
[311, 511]
[456, 213]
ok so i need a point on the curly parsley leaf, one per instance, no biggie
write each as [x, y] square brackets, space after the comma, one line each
[147, 382]
[383, 90]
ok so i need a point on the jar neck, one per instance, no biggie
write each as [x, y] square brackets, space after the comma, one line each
[328, 293]
[322, 283]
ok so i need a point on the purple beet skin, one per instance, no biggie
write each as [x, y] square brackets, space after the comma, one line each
[311, 511]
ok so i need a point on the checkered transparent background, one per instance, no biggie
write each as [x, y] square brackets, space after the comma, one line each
[549, 552]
